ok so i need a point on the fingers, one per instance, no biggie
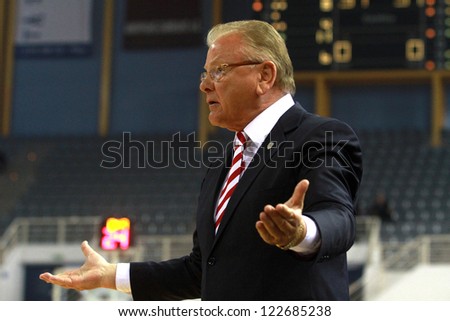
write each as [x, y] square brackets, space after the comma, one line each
[86, 248]
[65, 279]
[62, 279]
[283, 224]
[265, 235]
[297, 199]
[45, 277]
[281, 218]
[278, 225]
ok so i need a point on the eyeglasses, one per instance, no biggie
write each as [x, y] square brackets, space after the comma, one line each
[217, 73]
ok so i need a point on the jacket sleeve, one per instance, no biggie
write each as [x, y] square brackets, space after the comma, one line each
[176, 279]
[333, 165]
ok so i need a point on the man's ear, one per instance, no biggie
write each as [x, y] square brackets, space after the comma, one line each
[267, 78]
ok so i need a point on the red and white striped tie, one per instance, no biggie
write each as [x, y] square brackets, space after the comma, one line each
[234, 174]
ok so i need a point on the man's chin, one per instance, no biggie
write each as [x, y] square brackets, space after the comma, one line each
[212, 117]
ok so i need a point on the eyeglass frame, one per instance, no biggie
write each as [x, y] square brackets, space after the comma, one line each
[222, 68]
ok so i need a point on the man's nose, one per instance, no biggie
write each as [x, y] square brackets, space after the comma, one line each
[206, 85]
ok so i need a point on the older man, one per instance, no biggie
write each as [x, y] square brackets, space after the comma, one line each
[275, 216]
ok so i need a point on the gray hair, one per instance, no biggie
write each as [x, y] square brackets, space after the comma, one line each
[261, 43]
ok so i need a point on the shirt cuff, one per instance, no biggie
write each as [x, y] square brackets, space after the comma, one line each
[123, 277]
[311, 242]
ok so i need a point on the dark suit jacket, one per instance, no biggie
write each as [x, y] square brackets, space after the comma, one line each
[237, 264]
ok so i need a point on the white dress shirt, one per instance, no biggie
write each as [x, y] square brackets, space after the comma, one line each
[256, 131]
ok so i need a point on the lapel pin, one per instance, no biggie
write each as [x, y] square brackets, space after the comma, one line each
[270, 145]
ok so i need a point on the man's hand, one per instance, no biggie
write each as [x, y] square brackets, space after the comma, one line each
[96, 272]
[283, 224]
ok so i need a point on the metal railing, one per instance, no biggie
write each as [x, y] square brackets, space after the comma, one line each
[53, 230]
[73, 230]
[398, 256]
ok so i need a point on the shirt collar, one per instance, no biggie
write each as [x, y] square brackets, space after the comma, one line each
[258, 129]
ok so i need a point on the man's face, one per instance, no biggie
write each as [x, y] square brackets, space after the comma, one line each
[232, 100]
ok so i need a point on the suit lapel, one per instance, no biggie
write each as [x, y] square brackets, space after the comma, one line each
[216, 176]
[263, 157]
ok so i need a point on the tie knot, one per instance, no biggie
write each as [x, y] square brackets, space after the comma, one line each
[240, 139]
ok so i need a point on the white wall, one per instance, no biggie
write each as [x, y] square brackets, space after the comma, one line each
[12, 270]
[423, 283]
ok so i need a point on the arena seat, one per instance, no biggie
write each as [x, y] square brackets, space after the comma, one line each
[66, 179]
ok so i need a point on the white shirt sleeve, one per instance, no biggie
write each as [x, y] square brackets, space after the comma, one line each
[312, 239]
[123, 277]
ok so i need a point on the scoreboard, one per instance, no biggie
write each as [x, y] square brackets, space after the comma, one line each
[361, 34]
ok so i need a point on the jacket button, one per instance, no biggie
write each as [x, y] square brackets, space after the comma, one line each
[211, 261]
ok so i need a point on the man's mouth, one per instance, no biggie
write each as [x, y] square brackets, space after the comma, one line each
[213, 103]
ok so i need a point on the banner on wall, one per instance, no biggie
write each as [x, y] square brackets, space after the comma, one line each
[162, 23]
[53, 28]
